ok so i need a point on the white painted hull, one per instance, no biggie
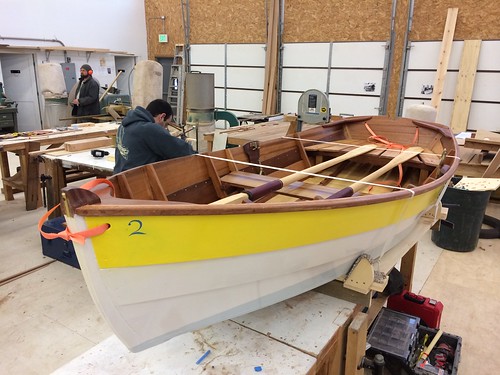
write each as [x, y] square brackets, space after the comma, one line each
[147, 305]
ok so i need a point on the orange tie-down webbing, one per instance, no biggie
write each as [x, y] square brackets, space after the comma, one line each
[377, 138]
[78, 237]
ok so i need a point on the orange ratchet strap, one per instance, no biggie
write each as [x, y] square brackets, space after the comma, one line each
[377, 138]
[78, 237]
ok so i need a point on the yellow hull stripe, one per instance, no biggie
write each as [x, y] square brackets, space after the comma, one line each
[147, 240]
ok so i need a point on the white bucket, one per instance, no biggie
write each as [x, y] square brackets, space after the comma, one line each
[421, 112]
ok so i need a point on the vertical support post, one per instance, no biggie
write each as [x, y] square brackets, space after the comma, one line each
[31, 176]
[5, 169]
[356, 344]
[408, 267]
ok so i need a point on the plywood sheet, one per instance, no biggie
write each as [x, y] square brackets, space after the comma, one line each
[477, 20]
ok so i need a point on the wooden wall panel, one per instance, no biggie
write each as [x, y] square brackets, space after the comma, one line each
[211, 21]
[477, 19]
[171, 9]
[228, 21]
[244, 21]
[336, 20]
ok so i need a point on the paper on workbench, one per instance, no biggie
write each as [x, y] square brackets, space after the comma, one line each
[478, 184]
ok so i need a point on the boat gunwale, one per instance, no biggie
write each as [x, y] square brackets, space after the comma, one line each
[112, 206]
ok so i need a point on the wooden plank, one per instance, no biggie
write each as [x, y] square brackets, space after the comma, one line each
[408, 267]
[493, 167]
[465, 85]
[87, 144]
[444, 57]
[356, 344]
[269, 97]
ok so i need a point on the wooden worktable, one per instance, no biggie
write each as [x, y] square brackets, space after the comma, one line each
[27, 179]
[480, 158]
[57, 161]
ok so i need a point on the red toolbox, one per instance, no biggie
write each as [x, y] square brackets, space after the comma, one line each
[428, 310]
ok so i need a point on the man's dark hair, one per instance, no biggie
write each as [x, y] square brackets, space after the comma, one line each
[158, 106]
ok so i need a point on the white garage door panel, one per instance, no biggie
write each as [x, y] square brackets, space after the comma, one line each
[304, 79]
[250, 101]
[487, 87]
[207, 54]
[354, 105]
[358, 55]
[306, 54]
[353, 81]
[218, 72]
[489, 55]
[219, 98]
[289, 102]
[444, 113]
[415, 81]
[246, 54]
[425, 55]
[249, 78]
[484, 116]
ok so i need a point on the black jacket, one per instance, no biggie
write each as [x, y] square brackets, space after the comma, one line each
[89, 98]
[141, 141]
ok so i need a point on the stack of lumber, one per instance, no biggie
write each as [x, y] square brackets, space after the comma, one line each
[269, 99]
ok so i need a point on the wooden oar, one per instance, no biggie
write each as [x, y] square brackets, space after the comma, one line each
[271, 186]
[405, 155]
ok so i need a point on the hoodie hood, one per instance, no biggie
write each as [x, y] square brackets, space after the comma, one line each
[137, 114]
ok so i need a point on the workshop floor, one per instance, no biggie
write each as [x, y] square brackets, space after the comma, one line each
[47, 317]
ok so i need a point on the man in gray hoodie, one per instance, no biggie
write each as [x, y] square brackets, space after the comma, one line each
[142, 138]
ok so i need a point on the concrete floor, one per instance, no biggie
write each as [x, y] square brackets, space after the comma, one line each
[47, 317]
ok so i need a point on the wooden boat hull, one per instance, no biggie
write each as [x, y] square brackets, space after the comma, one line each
[165, 268]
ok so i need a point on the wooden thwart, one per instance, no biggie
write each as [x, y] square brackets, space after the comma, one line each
[279, 183]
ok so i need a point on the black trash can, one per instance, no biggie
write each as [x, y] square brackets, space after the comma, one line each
[466, 210]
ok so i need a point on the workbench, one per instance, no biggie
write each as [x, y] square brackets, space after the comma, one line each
[479, 158]
[56, 162]
[27, 179]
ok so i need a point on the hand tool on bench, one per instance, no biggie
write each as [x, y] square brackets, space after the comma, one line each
[268, 187]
